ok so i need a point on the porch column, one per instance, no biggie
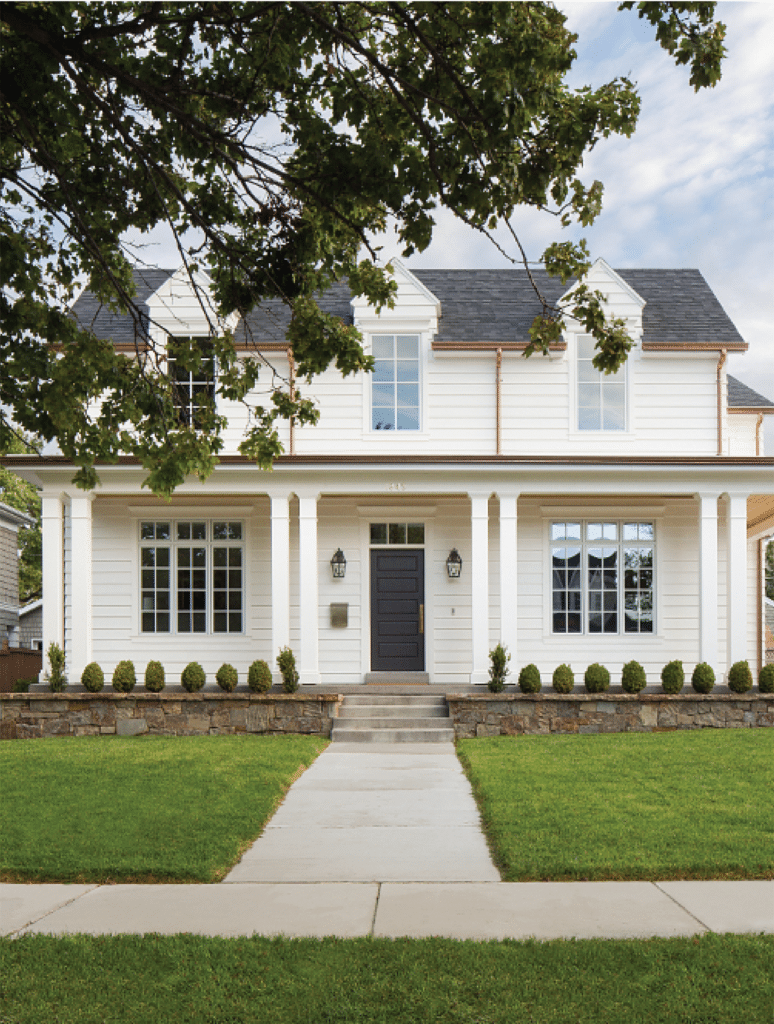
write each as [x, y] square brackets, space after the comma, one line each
[280, 575]
[708, 579]
[736, 579]
[52, 533]
[81, 572]
[479, 586]
[509, 621]
[308, 601]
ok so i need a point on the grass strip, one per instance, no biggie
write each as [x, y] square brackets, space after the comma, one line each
[140, 809]
[627, 805]
[714, 979]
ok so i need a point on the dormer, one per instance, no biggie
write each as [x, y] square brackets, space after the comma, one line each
[416, 308]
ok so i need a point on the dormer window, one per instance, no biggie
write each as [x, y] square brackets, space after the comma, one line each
[395, 382]
[193, 389]
[601, 396]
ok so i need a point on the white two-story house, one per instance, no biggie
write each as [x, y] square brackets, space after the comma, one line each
[459, 496]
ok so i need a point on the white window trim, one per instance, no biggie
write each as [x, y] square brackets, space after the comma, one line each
[387, 437]
[609, 436]
[616, 515]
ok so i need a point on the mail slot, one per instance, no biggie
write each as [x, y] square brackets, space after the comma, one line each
[339, 615]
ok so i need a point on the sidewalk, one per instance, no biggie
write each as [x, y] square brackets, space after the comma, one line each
[386, 841]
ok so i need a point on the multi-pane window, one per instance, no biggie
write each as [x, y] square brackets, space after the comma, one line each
[601, 396]
[193, 390]
[191, 577]
[397, 533]
[602, 577]
[395, 382]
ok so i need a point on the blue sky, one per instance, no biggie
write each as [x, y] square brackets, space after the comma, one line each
[693, 187]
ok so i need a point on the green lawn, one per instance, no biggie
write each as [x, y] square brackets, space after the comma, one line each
[713, 980]
[149, 808]
[627, 806]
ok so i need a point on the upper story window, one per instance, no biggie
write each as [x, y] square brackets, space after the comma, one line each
[601, 396]
[193, 390]
[191, 577]
[395, 382]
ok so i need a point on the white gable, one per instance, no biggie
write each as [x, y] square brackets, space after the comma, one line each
[416, 308]
[176, 307]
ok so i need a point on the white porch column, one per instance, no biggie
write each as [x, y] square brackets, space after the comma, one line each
[736, 579]
[509, 622]
[280, 575]
[309, 666]
[708, 579]
[479, 586]
[52, 532]
[81, 609]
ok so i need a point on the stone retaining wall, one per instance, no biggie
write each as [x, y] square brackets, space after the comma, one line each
[511, 714]
[32, 715]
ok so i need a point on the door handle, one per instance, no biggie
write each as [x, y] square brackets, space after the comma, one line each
[421, 618]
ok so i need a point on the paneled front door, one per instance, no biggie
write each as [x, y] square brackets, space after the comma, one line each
[397, 610]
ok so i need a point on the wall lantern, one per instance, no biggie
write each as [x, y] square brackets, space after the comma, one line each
[454, 564]
[339, 565]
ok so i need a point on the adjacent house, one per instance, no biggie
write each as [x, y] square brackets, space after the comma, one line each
[459, 496]
[11, 520]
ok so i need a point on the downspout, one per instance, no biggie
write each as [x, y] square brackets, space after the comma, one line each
[721, 363]
[760, 606]
[292, 366]
[758, 434]
[498, 400]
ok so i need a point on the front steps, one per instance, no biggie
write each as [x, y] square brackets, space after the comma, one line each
[393, 719]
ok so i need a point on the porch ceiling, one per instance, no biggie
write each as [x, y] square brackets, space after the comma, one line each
[760, 514]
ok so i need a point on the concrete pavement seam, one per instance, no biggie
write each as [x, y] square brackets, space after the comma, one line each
[680, 905]
[376, 908]
[48, 913]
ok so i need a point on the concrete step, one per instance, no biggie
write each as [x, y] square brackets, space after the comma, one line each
[345, 734]
[392, 722]
[392, 700]
[394, 711]
[397, 678]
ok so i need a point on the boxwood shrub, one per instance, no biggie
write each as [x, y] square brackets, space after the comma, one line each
[498, 668]
[286, 663]
[227, 677]
[124, 677]
[193, 677]
[563, 680]
[633, 678]
[154, 677]
[529, 679]
[766, 679]
[93, 678]
[740, 678]
[259, 677]
[596, 678]
[672, 677]
[703, 678]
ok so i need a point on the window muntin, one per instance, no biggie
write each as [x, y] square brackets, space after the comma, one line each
[588, 588]
[397, 533]
[204, 592]
[193, 391]
[601, 396]
[395, 382]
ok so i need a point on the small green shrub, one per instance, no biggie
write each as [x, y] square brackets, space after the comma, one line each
[93, 678]
[498, 668]
[529, 679]
[740, 678]
[56, 659]
[703, 678]
[154, 677]
[672, 677]
[23, 685]
[124, 678]
[286, 663]
[193, 677]
[633, 678]
[563, 680]
[259, 677]
[766, 679]
[596, 678]
[227, 678]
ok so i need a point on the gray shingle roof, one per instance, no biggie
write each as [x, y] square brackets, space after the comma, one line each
[742, 397]
[481, 306]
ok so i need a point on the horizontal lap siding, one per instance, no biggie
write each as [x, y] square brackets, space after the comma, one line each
[115, 590]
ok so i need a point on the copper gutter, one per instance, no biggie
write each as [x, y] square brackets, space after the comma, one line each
[721, 363]
[292, 366]
[498, 390]
[758, 434]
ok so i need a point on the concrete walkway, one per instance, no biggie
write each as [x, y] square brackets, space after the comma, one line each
[385, 841]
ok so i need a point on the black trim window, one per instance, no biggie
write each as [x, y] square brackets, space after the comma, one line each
[599, 569]
[191, 577]
[395, 382]
[191, 370]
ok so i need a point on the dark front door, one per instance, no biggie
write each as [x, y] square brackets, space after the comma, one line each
[397, 611]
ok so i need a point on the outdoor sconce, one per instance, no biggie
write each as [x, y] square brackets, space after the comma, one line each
[339, 565]
[454, 564]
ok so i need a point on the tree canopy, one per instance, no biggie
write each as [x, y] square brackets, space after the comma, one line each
[275, 141]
